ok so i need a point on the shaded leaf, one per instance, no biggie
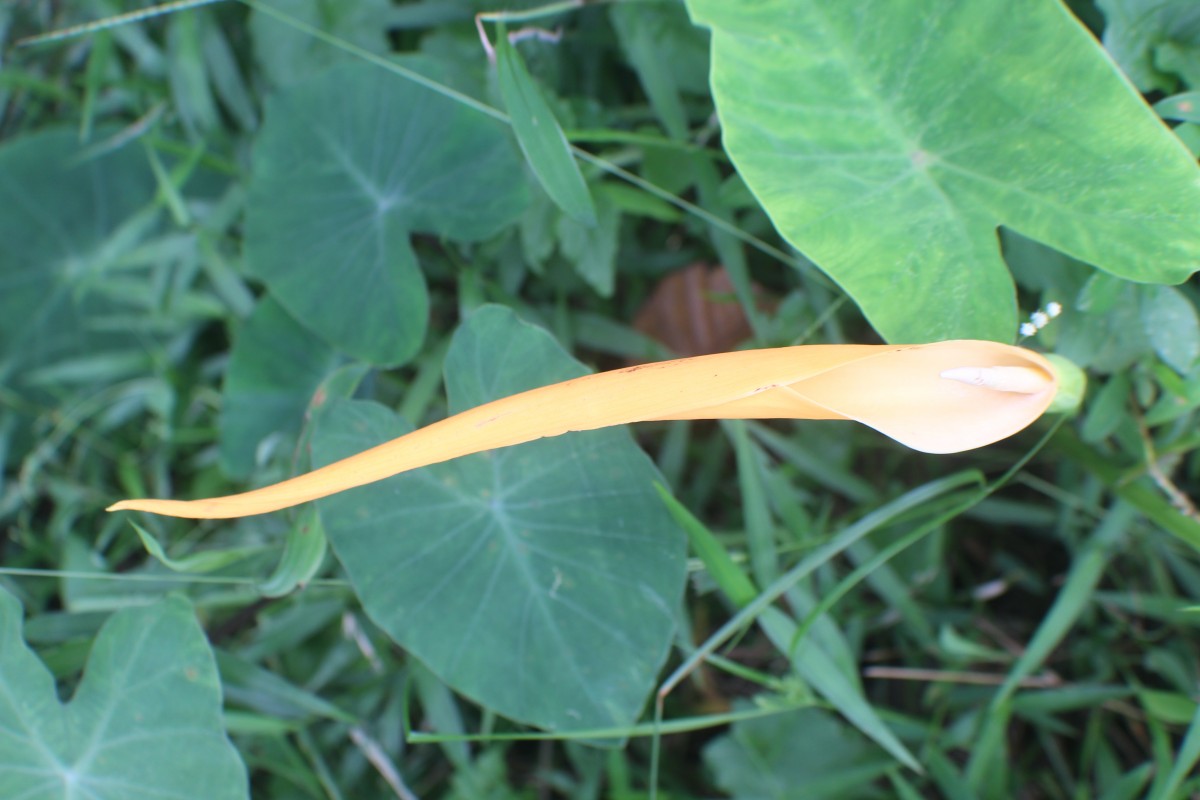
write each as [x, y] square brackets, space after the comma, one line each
[1184, 107]
[64, 221]
[730, 578]
[274, 368]
[592, 250]
[540, 580]
[1171, 323]
[190, 90]
[666, 52]
[262, 690]
[1107, 410]
[145, 720]
[347, 166]
[82, 593]
[809, 754]
[1155, 41]
[1106, 334]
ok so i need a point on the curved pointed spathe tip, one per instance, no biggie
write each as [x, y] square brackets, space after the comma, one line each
[944, 397]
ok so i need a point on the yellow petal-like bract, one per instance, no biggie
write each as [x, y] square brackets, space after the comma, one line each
[938, 398]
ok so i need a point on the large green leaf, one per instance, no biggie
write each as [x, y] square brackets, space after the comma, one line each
[540, 580]
[347, 166]
[888, 139]
[145, 721]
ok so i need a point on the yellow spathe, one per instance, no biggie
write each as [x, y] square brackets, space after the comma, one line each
[944, 397]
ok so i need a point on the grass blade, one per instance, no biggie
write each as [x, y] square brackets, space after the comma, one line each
[1077, 592]
[540, 136]
[1185, 760]
[729, 577]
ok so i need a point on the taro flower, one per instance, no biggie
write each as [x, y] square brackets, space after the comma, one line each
[944, 397]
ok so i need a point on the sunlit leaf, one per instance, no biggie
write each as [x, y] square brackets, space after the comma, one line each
[888, 151]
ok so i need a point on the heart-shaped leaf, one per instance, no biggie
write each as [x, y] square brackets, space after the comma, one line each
[347, 166]
[885, 147]
[145, 721]
[540, 580]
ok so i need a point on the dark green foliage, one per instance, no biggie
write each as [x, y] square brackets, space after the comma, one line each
[240, 239]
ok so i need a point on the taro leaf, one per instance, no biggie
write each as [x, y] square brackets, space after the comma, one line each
[347, 166]
[275, 367]
[58, 234]
[775, 757]
[539, 580]
[145, 721]
[884, 147]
